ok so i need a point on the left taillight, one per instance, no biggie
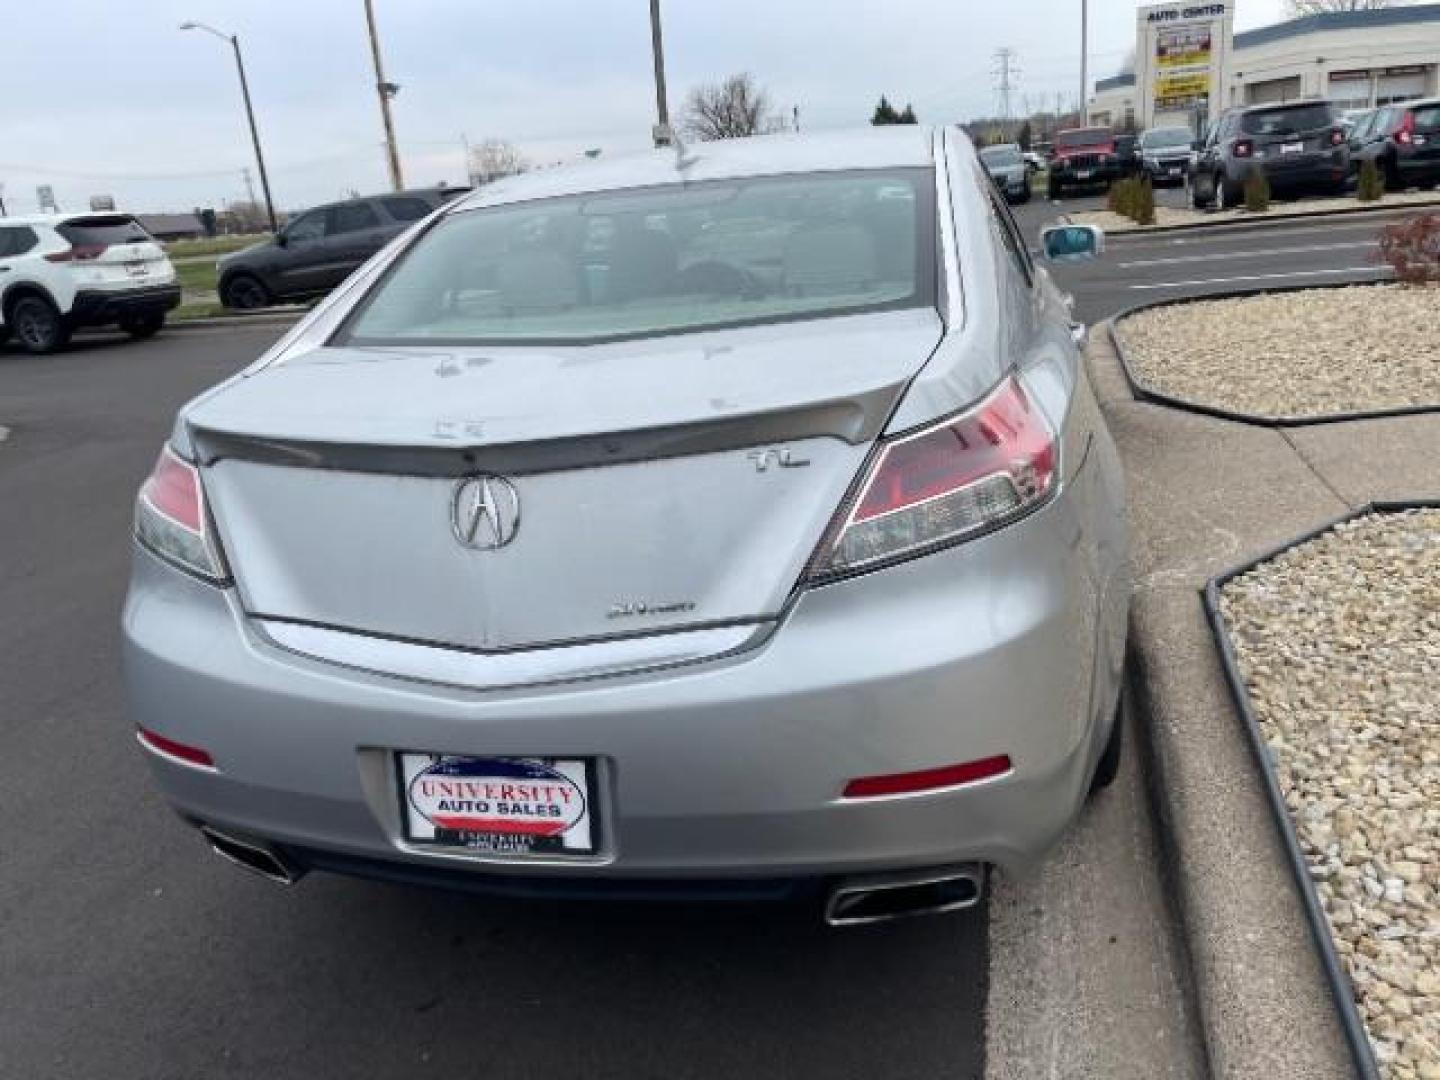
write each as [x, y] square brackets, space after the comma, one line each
[171, 519]
[986, 467]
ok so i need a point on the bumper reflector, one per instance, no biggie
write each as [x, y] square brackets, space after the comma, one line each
[869, 787]
[190, 755]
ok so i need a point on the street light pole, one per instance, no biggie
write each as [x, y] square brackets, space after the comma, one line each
[234, 40]
[1084, 58]
[386, 90]
[657, 48]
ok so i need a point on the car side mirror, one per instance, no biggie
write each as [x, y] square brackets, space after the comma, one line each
[1072, 243]
[281, 240]
[1198, 144]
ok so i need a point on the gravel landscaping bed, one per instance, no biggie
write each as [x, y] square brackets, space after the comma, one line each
[1170, 216]
[1307, 353]
[1338, 640]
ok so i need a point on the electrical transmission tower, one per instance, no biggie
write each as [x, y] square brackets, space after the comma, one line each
[1006, 74]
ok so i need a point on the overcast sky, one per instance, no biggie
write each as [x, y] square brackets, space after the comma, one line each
[108, 96]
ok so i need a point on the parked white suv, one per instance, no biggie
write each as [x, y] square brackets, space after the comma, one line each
[63, 271]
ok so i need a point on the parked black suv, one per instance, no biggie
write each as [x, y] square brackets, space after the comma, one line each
[1298, 146]
[321, 247]
[1404, 142]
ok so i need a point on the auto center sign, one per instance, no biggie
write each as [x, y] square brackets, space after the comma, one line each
[1181, 52]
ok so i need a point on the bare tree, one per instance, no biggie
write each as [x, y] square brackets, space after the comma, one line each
[730, 110]
[494, 159]
[1318, 7]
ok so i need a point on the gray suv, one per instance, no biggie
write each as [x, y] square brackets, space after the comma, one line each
[1297, 146]
[321, 247]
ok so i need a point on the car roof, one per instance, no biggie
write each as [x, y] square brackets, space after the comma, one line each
[1276, 106]
[891, 146]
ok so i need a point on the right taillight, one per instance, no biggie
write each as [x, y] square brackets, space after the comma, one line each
[986, 467]
[1405, 133]
[171, 520]
[1244, 148]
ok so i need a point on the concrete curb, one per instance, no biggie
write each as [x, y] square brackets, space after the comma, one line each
[1198, 505]
[265, 319]
[1261, 222]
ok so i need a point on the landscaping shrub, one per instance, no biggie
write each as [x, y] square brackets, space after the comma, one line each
[1412, 249]
[1144, 205]
[1371, 185]
[1134, 198]
[1257, 193]
[1118, 198]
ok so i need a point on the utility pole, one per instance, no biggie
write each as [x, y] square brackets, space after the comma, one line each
[1084, 59]
[657, 49]
[1005, 73]
[386, 90]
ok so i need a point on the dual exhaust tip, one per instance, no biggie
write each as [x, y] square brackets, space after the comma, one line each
[253, 855]
[881, 898]
[857, 901]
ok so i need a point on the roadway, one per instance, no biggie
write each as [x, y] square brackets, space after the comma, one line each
[1141, 268]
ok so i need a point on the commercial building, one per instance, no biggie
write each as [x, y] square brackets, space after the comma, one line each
[1189, 64]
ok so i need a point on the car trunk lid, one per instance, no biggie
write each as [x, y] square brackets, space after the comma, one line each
[660, 485]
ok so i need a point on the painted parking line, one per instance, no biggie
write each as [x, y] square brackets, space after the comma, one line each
[1291, 275]
[1259, 253]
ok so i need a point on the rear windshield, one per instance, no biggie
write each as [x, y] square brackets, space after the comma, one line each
[1427, 118]
[662, 260]
[1289, 120]
[1085, 137]
[1153, 140]
[1001, 155]
[103, 231]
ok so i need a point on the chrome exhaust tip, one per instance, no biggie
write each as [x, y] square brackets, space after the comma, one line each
[886, 897]
[251, 855]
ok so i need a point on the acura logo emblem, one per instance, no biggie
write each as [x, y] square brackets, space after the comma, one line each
[485, 512]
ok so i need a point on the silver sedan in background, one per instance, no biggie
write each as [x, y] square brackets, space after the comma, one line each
[1009, 169]
[735, 520]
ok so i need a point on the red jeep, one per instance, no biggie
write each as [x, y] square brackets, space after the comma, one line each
[1083, 156]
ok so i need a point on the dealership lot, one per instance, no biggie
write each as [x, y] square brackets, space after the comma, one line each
[180, 961]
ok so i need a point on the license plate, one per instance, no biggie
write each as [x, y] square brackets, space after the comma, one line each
[500, 806]
[136, 269]
[1173, 172]
[1083, 174]
[1292, 148]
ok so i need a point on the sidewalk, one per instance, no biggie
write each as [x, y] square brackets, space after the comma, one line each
[1205, 494]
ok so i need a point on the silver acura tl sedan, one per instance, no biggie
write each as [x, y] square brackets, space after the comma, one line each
[723, 522]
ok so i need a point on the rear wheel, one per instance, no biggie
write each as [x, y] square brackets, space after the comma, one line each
[245, 292]
[140, 327]
[38, 327]
[1054, 190]
[1108, 767]
[1202, 191]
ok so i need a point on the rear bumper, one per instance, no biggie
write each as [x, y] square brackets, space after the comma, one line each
[1321, 171]
[1093, 174]
[727, 769]
[94, 307]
